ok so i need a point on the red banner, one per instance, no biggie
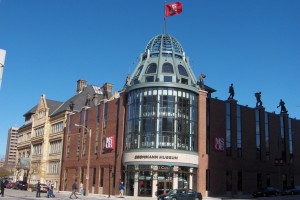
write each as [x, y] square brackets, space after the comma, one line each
[173, 9]
[110, 142]
[218, 144]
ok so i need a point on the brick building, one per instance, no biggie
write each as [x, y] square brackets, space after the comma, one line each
[164, 131]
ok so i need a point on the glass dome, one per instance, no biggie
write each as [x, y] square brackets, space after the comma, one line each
[162, 43]
[163, 63]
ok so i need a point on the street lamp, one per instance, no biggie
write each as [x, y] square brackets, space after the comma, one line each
[88, 159]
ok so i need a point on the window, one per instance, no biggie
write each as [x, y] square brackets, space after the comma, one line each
[182, 71]
[228, 181]
[258, 135]
[167, 78]
[228, 129]
[290, 140]
[240, 181]
[37, 149]
[57, 127]
[184, 81]
[104, 125]
[151, 68]
[68, 147]
[101, 176]
[53, 167]
[282, 135]
[38, 131]
[150, 79]
[167, 68]
[161, 118]
[55, 146]
[239, 131]
[267, 141]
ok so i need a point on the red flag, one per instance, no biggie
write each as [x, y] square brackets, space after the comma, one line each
[173, 9]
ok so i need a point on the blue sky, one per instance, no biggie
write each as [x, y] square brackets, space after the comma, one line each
[50, 44]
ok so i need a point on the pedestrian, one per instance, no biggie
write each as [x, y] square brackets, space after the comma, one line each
[74, 189]
[50, 190]
[2, 187]
[81, 188]
[38, 189]
[121, 188]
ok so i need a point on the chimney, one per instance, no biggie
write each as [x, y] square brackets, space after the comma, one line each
[107, 90]
[80, 85]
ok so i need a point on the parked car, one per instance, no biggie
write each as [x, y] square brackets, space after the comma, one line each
[181, 194]
[265, 192]
[10, 185]
[292, 191]
[20, 185]
[44, 187]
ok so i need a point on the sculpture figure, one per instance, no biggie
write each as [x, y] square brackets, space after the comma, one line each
[231, 91]
[282, 106]
[88, 99]
[201, 78]
[258, 99]
[71, 106]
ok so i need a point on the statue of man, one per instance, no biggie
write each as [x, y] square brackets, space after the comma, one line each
[201, 78]
[282, 106]
[231, 91]
[258, 100]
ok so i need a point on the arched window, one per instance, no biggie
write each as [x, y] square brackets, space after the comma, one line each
[151, 68]
[167, 68]
[182, 71]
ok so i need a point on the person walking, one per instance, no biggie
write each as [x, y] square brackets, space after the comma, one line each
[74, 189]
[2, 187]
[121, 188]
[81, 188]
[50, 190]
[38, 189]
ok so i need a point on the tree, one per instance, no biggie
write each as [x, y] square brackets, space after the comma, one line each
[4, 172]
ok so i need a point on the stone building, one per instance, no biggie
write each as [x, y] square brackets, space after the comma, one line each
[41, 137]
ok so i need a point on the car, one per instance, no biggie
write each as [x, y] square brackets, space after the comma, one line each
[10, 185]
[44, 187]
[292, 191]
[20, 185]
[181, 194]
[265, 192]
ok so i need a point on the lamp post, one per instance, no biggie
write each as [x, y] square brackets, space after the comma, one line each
[170, 173]
[88, 159]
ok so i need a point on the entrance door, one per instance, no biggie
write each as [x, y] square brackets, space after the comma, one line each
[163, 186]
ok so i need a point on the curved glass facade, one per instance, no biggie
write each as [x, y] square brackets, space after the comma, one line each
[162, 117]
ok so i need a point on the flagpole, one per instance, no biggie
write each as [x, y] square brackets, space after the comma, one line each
[165, 17]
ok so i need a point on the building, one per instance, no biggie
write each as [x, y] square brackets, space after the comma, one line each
[11, 148]
[41, 137]
[164, 130]
[98, 130]
[33, 141]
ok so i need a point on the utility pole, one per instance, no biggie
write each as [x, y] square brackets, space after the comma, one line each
[109, 172]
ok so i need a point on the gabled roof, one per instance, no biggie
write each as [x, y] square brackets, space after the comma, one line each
[52, 105]
[79, 100]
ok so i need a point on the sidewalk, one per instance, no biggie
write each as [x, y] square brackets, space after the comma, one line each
[113, 197]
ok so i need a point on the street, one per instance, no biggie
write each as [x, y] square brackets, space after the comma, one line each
[28, 195]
